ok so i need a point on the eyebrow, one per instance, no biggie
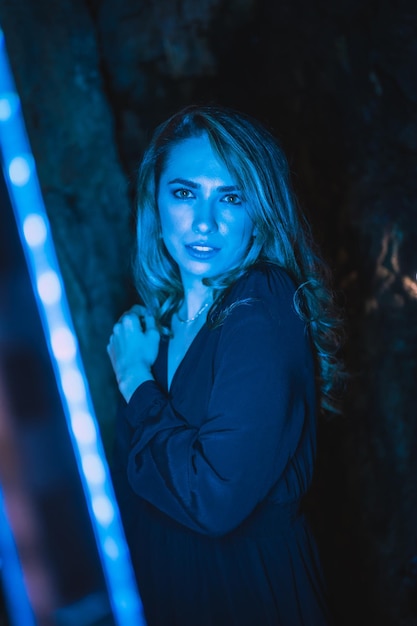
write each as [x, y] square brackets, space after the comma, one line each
[193, 185]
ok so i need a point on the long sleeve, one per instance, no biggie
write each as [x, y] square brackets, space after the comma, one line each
[208, 471]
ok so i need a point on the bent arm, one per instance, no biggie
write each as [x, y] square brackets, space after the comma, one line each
[211, 478]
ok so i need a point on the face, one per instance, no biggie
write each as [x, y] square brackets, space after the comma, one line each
[205, 223]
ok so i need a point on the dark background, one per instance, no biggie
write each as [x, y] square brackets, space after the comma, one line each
[337, 83]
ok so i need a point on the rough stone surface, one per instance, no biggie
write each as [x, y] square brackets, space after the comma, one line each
[53, 53]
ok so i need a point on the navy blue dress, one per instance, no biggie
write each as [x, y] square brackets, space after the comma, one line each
[210, 475]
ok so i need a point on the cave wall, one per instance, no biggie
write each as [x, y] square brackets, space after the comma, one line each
[337, 83]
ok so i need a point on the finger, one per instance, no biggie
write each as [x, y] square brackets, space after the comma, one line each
[138, 309]
[149, 322]
[129, 320]
[117, 328]
[142, 314]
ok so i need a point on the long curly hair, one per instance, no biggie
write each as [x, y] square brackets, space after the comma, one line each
[257, 163]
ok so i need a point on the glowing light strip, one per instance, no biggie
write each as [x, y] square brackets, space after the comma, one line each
[19, 610]
[25, 195]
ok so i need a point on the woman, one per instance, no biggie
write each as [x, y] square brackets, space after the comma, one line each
[222, 370]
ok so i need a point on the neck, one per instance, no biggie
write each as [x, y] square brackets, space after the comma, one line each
[195, 299]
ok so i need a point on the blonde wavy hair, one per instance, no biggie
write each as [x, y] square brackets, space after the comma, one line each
[259, 166]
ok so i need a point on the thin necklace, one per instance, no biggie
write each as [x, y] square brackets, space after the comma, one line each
[191, 319]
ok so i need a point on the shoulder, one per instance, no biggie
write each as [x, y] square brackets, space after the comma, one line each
[263, 282]
[264, 278]
[264, 290]
[258, 319]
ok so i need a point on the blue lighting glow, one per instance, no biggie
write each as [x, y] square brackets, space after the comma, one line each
[8, 106]
[93, 469]
[111, 548]
[63, 344]
[33, 225]
[20, 169]
[83, 428]
[34, 230]
[103, 510]
[73, 386]
[49, 287]
[11, 575]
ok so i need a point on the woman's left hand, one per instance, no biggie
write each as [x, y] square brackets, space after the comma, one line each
[133, 348]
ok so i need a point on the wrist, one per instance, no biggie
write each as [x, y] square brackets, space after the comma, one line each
[128, 385]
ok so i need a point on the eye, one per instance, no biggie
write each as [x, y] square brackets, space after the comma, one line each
[232, 198]
[183, 194]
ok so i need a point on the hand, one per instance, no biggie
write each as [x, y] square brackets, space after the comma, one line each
[133, 348]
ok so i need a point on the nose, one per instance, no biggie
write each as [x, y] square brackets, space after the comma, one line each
[204, 218]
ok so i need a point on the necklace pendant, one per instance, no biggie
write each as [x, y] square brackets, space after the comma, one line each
[192, 319]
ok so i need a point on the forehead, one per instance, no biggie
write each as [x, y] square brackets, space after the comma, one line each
[195, 157]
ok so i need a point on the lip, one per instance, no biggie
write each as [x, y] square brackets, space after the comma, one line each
[201, 250]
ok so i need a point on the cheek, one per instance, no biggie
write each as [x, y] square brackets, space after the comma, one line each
[165, 215]
[173, 222]
[238, 233]
[246, 229]
[165, 220]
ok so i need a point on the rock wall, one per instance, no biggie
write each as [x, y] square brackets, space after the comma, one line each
[54, 56]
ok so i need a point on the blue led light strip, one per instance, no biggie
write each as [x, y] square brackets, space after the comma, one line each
[32, 222]
[19, 610]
